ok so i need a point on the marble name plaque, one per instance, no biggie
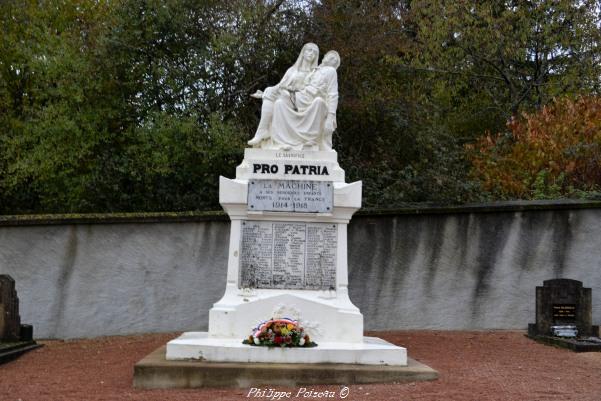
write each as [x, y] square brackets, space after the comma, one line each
[290, 196]
[564, 312]
[288, 255]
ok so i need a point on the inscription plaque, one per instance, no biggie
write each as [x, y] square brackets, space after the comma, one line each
[290, 196]
[564, 312]
[288, 255]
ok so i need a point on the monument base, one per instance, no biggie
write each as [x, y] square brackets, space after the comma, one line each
[156, 372]
[12, 350]
[199, 346]
[580, 344]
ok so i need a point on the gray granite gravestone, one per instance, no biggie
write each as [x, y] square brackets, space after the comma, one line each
[564, 316]
[563, 302]
[15, 338]
[10, 321]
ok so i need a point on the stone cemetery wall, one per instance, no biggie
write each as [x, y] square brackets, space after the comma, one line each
[87, 280]
[469, 270]
[464, 268]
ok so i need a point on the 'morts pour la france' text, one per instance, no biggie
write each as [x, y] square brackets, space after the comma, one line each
[292, 169]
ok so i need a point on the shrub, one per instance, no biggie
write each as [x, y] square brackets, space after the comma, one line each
[554, 152]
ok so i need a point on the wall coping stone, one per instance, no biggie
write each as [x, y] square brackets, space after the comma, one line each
[110, 218]
[487, 207]
[176, 217]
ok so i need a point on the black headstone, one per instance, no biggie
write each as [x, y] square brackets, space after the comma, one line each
[10, 321]
[563, 302]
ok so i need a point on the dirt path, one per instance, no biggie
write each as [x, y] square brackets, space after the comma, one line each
[496, 365]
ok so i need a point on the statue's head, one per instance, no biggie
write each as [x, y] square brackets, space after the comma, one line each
[310, 52]
[307, 59]
[331, 59]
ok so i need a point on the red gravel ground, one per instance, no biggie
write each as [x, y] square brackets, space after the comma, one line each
[496, 365]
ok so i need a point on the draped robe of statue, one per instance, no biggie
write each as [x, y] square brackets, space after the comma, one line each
[299, 118]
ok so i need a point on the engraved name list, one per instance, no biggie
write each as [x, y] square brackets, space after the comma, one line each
[288, 255]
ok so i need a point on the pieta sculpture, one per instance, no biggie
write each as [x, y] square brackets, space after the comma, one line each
[300, 111]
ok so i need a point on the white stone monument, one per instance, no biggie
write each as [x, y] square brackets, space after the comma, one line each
[289, 208]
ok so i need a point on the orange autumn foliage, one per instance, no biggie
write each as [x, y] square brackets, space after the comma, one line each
[553, 152]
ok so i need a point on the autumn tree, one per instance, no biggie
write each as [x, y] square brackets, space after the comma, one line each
[486, 61]
[474, 65]
[551, 153]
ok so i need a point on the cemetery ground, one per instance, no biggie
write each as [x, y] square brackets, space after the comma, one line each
[473, 365]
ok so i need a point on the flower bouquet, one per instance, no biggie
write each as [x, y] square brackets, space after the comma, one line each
[282, 332]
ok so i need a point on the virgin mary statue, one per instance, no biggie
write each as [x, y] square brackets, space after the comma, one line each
[300, 111]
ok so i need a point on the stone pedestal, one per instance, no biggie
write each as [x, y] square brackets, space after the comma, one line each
[289, 213]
